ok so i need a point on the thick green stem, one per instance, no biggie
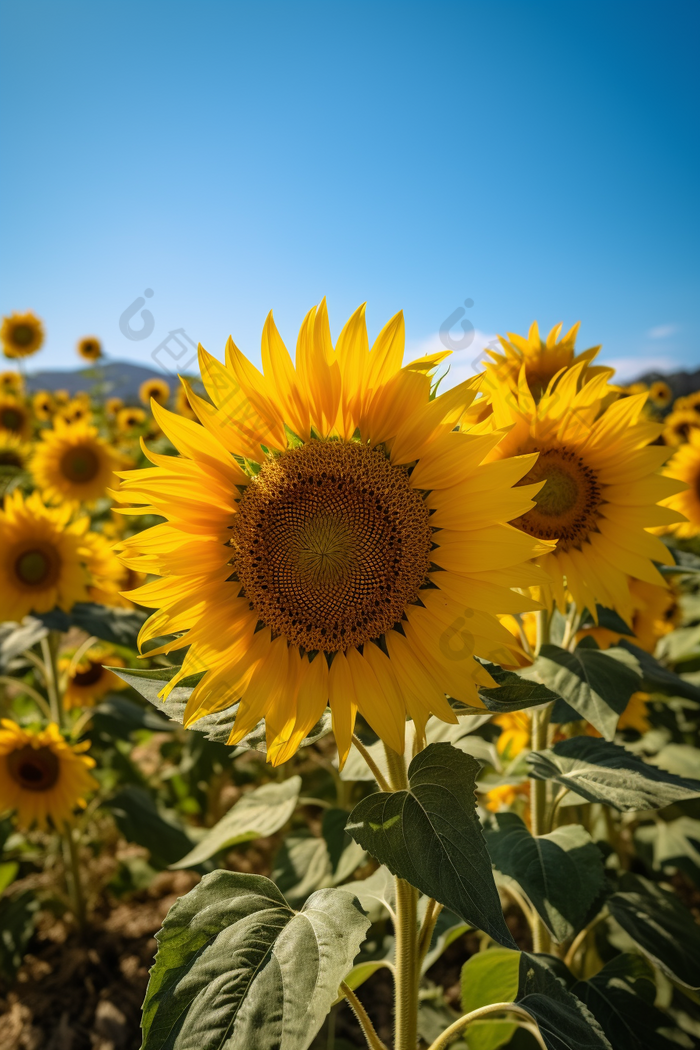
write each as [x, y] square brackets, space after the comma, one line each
[461, 1023]
[374, 768]
[49, 650]
[368, 1030]
[76, 885]
[538, 812]
[406, 931]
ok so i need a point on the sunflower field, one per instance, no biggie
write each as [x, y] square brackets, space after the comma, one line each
[344, 708]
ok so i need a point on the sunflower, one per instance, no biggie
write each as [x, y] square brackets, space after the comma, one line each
[542, 359]
[506, 795]
[515, 733]
[692, 401]
[61, 397]
[109, 576]
[679, 424]
[21, 335]
[87, 681]
[90, 348]
[42, 776]
[73, 464]
[182, 405]
[14, 452]
[43, 405]
[112, 405]
[656, 613]
[130, 420]
[42, 557]
[660, 394]
[635, 388]
[11, 383]
[75, 411]
[14, 416]
[157, 389]
[685, 467]
[329, 536]
[602, 486]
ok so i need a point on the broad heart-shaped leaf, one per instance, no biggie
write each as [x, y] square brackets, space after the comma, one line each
[514, 692]
[654, 677]
[660, 926]
[490, 977]
[118, 626]
[561, 873]
[139, 821]
[675, 844]
[118, 716]
[565, 1023]
[344, 853]
[590, 681]
[16, 637]
[257, 814]
[621, 998]
[302, 865]
[430, 836]
[215, 727]
[603, 772]
[237, 969]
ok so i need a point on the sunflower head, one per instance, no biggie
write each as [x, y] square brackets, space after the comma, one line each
[11, 383]
[542, 359]
[42, 777]
[156, 389]
[600, 486]
[131, 420]
[113, 405]
[685, 468]
[61, 397]
[330, 537]
[515, 733]
[678, 426]
[90, 348]
[660, 394]
[43, 406]
[15, 417]
[73, 464]
[692, 401]
[76, 411]
[87, 679]
[635, 388]
[14, 453]
[43, 562]
[21, 334]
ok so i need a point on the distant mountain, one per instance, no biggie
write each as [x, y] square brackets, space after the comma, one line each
[115, 379]
[681, 383]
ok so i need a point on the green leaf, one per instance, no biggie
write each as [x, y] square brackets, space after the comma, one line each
[17, 917]
[514, 692]
[687, 564]
[565, 1023]
[118, 626]
[561, 873]
[603, 772]
[606, 618]
[490, 977]
[676, 844]
[139, 821]
[236, 967]
[302, 865]
[117, 716]
[376, 893]
[590, 681]
[660, 926]
[345, 855]
[621, 998]
[16, 637]
[257, 814]
[8, 874]
[654, 677]
[430, 836]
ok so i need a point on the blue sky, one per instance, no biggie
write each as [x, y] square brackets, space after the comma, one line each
[537, 159]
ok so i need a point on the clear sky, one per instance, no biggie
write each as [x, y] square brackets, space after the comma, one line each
[539, 159]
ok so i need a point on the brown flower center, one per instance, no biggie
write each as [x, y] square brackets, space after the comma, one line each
[80, 464]
[22, 335]
[90, 676]
[37, 567]
[566, 507]
[330, 544]
[11, 418]
[10, 459]
[34, 768]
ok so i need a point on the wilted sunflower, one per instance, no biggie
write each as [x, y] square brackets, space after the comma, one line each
[602, 486]
[42, 777]
[157, 389]
[14, 416]
[660, 394]
[42, 557]
[43, 405]
[678, 426]
[21, 334]
[72, 463]
[330, 537]
[112, 405]
[13, 451]
[685, 466]
[90, 348]
[130, 420]
[542, 359]
[88, 680]
[11, 383]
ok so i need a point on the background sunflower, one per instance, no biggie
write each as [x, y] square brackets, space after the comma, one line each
[21, 334]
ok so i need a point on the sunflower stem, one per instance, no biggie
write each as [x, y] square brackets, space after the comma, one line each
[49, 650]
[374, 768]
[76, 886]
[538, 811]
[368, 1029]
[406, 932]
[513, 1009]
[30, 691]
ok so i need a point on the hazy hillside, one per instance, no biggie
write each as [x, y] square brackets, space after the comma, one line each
[115, 379]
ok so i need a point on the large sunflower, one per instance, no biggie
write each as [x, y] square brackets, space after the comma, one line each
[156, 389]
[542, 358]
[42, 557]
[15, 416]
[602, 486]
[73, 463]
[330, 537]
[21, 334]
[42, 777]
[88, 680]
[685, 467]
[90, 348]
